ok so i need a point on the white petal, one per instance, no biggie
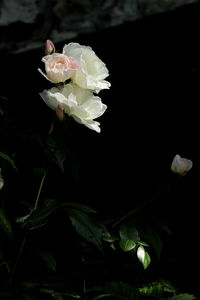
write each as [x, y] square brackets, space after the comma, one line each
[88, 123]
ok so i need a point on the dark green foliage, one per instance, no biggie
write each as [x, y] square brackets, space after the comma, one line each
[5, 224]
[55, 244]
[118, 290]
[89, 228]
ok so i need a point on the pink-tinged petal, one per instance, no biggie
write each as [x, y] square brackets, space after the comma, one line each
[49, 48]
[73, 64]
[60, 112]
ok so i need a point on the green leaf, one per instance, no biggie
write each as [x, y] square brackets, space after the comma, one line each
[90, 229]
[157, 288]
[142, 243]
[39, 172]
[182, 297]
[5, 224]
[102, 296]
[154, 239]
[107, 237]
[119, 290]
[40, 216]
[22, 219]
[128, 232]
[153, 289]
[1, 111]
[79, 206]
[54, 294]
[48, 258]
[127, 245]
[7, 158]
[56, 151]
[143, 257]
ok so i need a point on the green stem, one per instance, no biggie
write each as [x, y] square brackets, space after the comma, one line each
[17, 260]
[39, 191]
[84, 286]
[167, 188]
[24, 240]
[130, 213]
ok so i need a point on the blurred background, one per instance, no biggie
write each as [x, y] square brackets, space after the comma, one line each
[25, 24]
[151, 48]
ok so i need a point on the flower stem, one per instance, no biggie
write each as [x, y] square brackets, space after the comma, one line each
[17, 260]
[39, 191]
[166, 189]
[24, 240]
[131, 212]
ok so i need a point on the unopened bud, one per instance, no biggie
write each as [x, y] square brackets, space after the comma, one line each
[49, 48]
[60, 112]
[181, 165]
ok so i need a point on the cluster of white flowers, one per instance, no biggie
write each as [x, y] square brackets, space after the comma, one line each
[87, 75]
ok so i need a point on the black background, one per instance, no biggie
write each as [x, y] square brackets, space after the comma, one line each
[152, 115]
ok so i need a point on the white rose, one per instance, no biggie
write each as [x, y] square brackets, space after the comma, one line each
[1, 180]
[92, 71]
[58, 67]
[181, 165]
[79, 103]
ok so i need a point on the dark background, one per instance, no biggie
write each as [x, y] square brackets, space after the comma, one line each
[152, 115]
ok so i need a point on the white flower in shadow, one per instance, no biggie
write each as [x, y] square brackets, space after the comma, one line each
[79, 103]
[181, 165]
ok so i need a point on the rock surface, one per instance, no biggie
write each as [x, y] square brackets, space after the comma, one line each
[30, 22]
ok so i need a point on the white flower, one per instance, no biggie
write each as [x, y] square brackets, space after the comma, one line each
[79, 103]
[92, 71]
[1, 180]
[181, 165]
[58, 67]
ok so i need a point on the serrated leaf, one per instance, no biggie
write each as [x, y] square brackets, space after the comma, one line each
[90, 229]
[8, 159]
[182, 297]
[153, 289]
[5, 224]
[157, 288]
[143, 257]
[127, 245]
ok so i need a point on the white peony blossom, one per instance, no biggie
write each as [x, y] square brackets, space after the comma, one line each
[79, 103]
[58, 67]
[181, 165]
[92, 71]
[1, 180]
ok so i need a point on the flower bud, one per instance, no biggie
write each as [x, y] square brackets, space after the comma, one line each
[181, 165]
[60, 112]
[49, 48]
